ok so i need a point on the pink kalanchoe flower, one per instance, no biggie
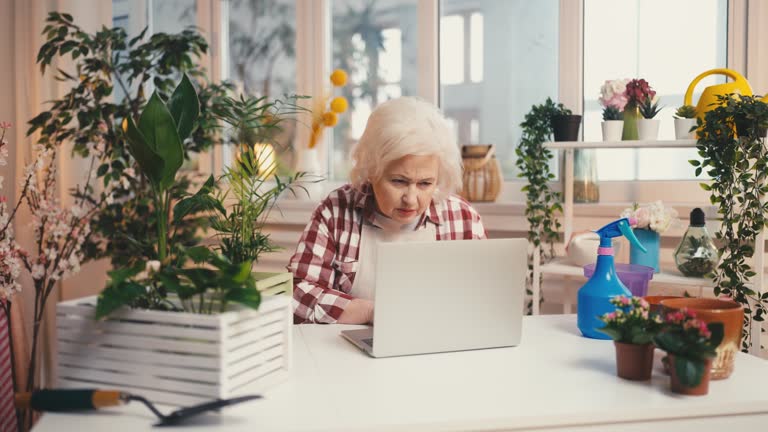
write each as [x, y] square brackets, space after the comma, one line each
[5, 125]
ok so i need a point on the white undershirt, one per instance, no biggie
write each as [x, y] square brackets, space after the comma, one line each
[383, 230]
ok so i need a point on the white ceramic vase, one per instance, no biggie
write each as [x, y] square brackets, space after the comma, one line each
[612, 130]
[683, 128]
[647, 129]
[308, 162]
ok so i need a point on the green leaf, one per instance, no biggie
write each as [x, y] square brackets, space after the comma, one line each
[184, 107]
[117, 295]
[250, 297]
[689, 371]
[159, 130]
[149, 161]
[200, 201]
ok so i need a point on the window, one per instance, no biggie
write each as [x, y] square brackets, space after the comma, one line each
[261, 44]
[644, 43]
[497, 59]
[376, 43]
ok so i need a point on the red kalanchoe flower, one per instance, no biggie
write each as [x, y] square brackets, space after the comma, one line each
[638, 91]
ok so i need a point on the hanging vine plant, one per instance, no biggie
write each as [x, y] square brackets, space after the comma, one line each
[735, 157]
[542, 203]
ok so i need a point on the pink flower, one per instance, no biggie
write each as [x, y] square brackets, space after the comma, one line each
[5, 125]
[638, 91]
[625, 301]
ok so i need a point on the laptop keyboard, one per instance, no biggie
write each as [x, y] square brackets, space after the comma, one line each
[368, 342]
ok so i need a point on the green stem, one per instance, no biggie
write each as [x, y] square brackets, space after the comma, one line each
[162, 227]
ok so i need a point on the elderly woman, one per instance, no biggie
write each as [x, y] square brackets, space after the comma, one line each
[406, 165]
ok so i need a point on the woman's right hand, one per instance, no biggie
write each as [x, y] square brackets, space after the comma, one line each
[358, 311]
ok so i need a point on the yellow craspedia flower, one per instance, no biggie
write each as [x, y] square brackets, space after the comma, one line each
[330, 119]
[125, 124]
[339, 77]
[339, 104]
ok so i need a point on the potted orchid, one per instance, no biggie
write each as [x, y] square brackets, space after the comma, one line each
[632, 328]
[652, 220]
[613, 100]
[691, 345]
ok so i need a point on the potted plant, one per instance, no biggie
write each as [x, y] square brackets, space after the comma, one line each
[187, 304]
[685, 122]
[632, 327]
[734, 157]
[647, 126]
[565, 124]
[612, 124]
[636, 92]
[613, 99]
[690, 344]
[652, 220]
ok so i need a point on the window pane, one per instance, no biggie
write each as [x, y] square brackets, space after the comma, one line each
[262, 60]
[522, 71]
[451, 49]
[173, 16]
[643, 44]
[376, 43]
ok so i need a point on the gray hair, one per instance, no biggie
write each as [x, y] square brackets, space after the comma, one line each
[402, 127]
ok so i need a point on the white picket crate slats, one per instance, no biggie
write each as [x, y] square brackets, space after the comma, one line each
[177, 358]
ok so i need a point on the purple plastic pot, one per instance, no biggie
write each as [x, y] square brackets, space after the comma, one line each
[633, 276]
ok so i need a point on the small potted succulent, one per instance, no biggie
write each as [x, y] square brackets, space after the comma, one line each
[685, 122]
[648, 126]
[565, 124]
[691, 345]
[613, 123]
[632, 328]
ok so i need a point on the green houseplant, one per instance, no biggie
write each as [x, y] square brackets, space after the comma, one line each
[632, 328]
[690, 344]
[685, 122]
[734, 157]
[533, 159]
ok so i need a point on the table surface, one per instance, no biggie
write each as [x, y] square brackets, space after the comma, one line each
[555, 379]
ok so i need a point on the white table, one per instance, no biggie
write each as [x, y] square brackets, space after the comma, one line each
[555, 380]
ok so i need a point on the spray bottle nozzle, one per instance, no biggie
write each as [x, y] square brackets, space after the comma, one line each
[616, 228]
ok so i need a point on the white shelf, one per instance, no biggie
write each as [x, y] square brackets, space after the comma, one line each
[559, 267]
[686, 143]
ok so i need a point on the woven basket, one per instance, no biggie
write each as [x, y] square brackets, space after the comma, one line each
[482, 173]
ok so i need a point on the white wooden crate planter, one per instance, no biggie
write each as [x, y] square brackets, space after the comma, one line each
[178, 358]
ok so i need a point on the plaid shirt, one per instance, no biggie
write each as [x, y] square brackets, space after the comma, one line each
[325, 261]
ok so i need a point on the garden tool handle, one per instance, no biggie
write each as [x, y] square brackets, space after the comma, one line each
[63, 400]
[724, 71]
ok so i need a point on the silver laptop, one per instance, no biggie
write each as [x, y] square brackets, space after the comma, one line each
[446, 296]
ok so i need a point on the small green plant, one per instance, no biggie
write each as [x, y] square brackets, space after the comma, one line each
[686, 112]
[611, 113]
[533, 159]
[631, 322]
[649, 108]
[691, 341]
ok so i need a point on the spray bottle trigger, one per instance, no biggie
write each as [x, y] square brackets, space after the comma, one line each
[630, 235]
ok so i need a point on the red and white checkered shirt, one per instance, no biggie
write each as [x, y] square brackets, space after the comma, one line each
[325, 261]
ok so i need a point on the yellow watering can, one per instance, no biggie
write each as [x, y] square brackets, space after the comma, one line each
[708, 97]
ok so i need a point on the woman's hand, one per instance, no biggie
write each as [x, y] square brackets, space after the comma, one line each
[358, 311]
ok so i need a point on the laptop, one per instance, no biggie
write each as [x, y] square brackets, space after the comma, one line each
[446, 296]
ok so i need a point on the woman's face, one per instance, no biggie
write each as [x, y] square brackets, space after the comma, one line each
[405, 189]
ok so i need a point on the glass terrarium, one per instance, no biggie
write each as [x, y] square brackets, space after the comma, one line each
[697, 254]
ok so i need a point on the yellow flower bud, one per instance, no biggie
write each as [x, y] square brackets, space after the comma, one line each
[339, 104]
[330, 119]
[339, 77]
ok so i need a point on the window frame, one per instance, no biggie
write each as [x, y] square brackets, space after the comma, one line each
[313, 54]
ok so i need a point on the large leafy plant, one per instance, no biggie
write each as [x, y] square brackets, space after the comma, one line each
[204, 280]
[542, 203]
[107, 81]
[734, 156]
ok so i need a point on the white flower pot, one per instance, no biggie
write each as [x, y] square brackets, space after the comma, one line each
[647, 129]
[612, 130]
[682, 128]
[178, 358]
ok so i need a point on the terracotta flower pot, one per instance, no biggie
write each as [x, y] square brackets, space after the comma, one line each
[634, 362]
[655, 302]
[678, 387]
[728, 312]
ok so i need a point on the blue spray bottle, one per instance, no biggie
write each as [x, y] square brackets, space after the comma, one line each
[594, 297]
